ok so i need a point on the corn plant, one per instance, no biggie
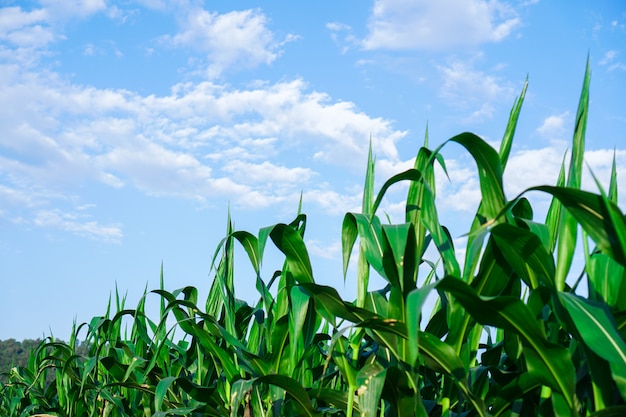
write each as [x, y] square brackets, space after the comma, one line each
[510, 333]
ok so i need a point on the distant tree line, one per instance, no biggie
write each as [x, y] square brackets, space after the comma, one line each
[15, 353]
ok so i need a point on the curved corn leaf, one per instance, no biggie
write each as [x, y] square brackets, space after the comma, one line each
[520, 386]
[443, 358]
[553, 364]
[250, 243]
[599, 217]
[489, 172]
[289, 241]
[598, 330]
[408, 175]
[370, 233]
[525, 253]
[294, 389]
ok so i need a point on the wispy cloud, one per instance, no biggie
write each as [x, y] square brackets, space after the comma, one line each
[474, 90]
[610, 61]
[553, 127]
[438, 25]
[237, 38]
[79, 224]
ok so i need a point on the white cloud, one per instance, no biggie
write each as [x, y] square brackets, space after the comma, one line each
[78, 224]
[25, 35]
[531, 167]
[609, 56]
[617, 66]
[25, 28]
[62, 9]
[346, 40]
[461, 192]
[485, 111]
[423, 24]
[202, 141]
[324, 250]
[333, 202]
[157, 170]
[460, 80]
[473, 90]
[237, 38]
[610, 61]
[553, 127]
[267, 172]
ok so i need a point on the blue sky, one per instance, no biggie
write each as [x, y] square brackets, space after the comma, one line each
[129, 128]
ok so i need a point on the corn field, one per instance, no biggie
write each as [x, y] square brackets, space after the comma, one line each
[506, 336]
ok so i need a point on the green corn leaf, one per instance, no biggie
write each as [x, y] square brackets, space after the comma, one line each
[443, 358]
[614, 411]
[195, 391]
[517, 388]
[337, 397]
[294, 389]
[414, 303]
[370, 382]
[493, 199]
[206, 340]
[180, 411]
[408, 175]
[439, 234]
[115, 400]
[613, 182]
[368, 189]
[509, 132]
[372, 242]
[239, 390]
[415, 197]
[494, 273]
[554, 211]
[599, 217]
[567, 226]
[251, 245]
[489, 172]
[299, 305]
[574, 177]
[476, 237]
[554, 366]
[397, 237]
[363, 269]
[290, 242]
[349, 233]
[161, 391]
[330, 306]
[598, 330]
[525, 253]
[605, 277]
[443, 242]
